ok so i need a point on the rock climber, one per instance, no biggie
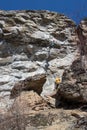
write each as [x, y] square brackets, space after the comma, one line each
[57, 82]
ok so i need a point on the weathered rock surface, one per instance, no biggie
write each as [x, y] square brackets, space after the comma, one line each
[74, 83]
[31, 83]
[28, 101]
[46, 120]
[82, 35]
[25, 40]
[35, 48]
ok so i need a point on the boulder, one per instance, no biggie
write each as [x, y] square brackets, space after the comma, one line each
[74, 83]
[27, 101]
[31, 83]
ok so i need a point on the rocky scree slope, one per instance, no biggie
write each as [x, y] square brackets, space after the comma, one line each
[25, 44]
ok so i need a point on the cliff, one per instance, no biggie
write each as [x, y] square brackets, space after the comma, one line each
[35, 48]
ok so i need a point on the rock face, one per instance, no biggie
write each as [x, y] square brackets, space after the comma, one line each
[82, 35]
[26, 39]
[74, 83]
[35, 48]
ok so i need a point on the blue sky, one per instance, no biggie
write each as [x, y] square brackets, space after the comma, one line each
[75, 9]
